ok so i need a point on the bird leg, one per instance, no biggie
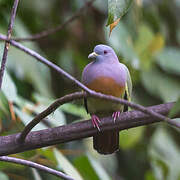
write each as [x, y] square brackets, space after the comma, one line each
[115, 115]
[95, 121]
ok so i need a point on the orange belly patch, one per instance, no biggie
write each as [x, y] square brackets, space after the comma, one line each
[107, 86]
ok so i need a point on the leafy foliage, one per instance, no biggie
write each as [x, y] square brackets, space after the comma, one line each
[116, 9]
[146, 39]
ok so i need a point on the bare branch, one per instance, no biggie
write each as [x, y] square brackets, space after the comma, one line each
[58, 28]
[135, 106]
[92, 93]
[79, 95]
[35, 165]
[7, 44]
[79, 130]
[48, 111]
[46, 62]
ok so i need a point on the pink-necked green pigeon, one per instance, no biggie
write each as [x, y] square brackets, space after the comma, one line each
[106, 75]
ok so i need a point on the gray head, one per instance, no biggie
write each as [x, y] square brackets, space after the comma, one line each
[103, 53]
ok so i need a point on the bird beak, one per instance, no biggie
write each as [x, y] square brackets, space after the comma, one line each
[92, 55]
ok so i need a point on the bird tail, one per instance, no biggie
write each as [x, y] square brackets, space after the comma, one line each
[106, 142]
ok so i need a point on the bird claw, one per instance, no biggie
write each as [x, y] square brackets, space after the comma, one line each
[95, 121]
[115, 115]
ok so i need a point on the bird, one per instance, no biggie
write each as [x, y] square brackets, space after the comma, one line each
[105, 74]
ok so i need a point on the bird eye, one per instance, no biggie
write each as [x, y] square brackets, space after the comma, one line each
[105, 52]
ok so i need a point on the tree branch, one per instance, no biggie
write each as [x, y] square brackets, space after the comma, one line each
[79, 130]
[46, 62]
[35, 165]
[7, 44]
[92, 93]
[49, 110]
[58, 28]
[79, 95]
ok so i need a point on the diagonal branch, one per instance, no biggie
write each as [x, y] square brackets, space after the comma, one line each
[46, 62]
[49, 110]
[58, 28]
[7, 44]
[79, 130]
[89, 91]
[35, 165]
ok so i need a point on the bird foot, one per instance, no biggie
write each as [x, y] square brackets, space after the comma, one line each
[95, 121]
[115, 115]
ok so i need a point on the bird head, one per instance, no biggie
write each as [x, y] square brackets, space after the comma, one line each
[102, 53]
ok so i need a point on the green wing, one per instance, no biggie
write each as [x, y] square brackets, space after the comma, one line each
[128, 89]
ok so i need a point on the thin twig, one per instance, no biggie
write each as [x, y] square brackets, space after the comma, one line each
[48, 111]
[7, 44]
[35, 165]
[89, 91]
[79, 130]
[135, 106]
[46, 62]
[58, 28]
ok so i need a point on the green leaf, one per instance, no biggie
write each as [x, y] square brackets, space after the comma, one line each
[56, 118]
[169, 60]
[122, 43]
[25, 66]
[68, 107]
[26, 118]
[149, 176]
[90, 168]
[175, 109]
[164, 154]
[161, 85]
[3, 176]
[100, 171]
[42, 99]
[85, 168]
[7, 165]
[116, 9]
[9, 88]
[129, 138]
[107, 162]
[147, 45]
[66, 166]
[48, 153]
[144, 38]
[27, 154]
[4, 106]
[22, 102]
[75, 110]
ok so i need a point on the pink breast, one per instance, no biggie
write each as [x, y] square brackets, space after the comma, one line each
[107, 86]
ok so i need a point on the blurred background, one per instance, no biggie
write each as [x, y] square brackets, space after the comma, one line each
[147, 40]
